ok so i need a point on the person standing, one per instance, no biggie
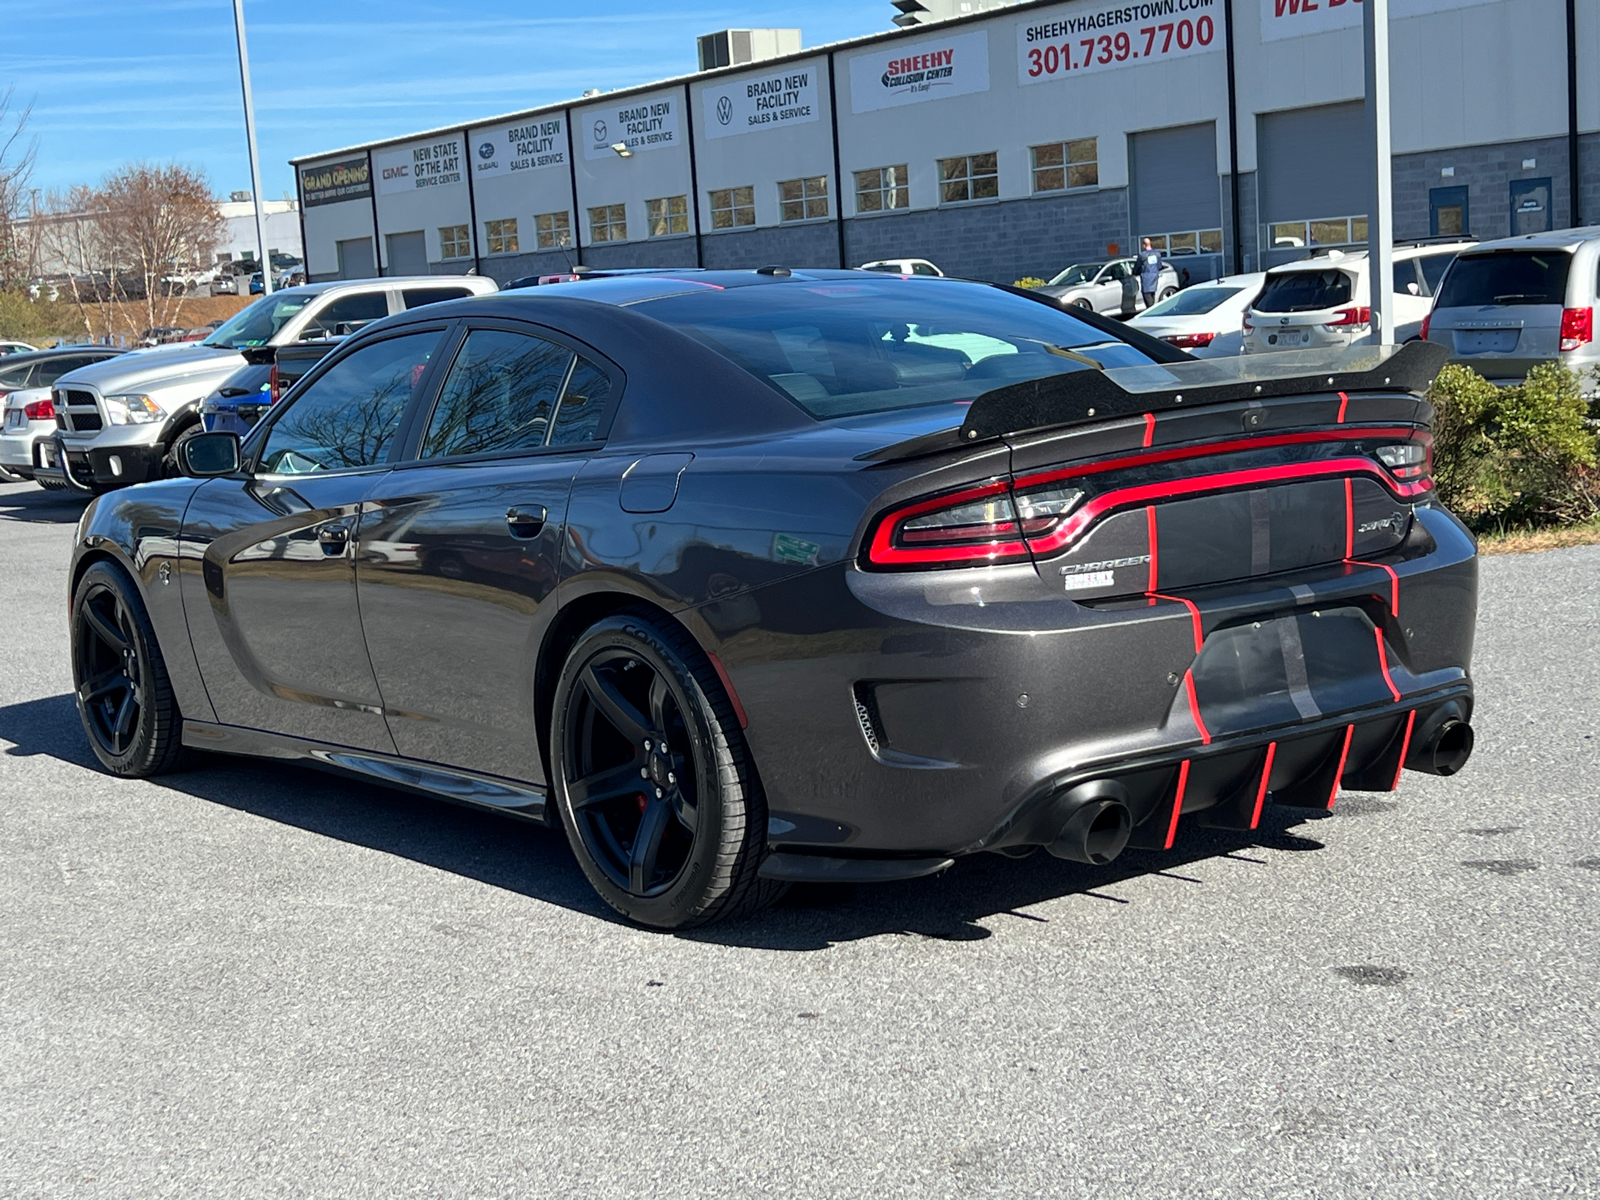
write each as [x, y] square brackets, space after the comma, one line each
[1149, 265]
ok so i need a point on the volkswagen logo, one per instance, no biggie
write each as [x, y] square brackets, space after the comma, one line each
[725, 110]
[486, 150]
[600, 131]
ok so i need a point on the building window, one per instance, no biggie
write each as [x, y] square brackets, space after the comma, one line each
[803, 199]
[608, 223]
[882, 188]
[1063, 165]
[552, 230]
[667, 216]
[732, 207]
[1194, 241]
[453, 242]
[971, 177]
[502, 236]
[1329, 231]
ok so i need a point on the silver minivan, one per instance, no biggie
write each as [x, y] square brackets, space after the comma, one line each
[1506, 306]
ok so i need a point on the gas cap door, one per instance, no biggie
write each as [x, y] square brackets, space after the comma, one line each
[650, 485]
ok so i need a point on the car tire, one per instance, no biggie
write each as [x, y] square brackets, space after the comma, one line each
[120, 682]
[634, 681]
[1080, 303]
[1166, 294]
[169, 461]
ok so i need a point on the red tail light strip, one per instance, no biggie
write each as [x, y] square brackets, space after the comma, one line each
[1405, 748]
[1177, 803]
[1071, 528]
[1194, 709]
[1261, 790]
[1344, 753]
[1383, 662]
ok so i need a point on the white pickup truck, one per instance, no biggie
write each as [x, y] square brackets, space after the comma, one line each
[119, 421]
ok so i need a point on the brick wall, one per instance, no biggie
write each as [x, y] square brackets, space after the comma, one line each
[1486, 172]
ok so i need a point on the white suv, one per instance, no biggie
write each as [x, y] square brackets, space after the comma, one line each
[118, 422]
[1326, 300]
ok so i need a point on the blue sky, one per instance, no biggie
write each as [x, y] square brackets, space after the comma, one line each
[117, 80]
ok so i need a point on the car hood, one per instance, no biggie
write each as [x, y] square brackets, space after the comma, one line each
[156, 368]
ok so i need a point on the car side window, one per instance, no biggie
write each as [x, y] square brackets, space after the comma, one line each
[16, 377]
[1119, 270]
[347, 314]
[48, 372]
[348, 416]
[417, 297]
[922, 269]
[1432, 268]
[582, 403]
[499, 395]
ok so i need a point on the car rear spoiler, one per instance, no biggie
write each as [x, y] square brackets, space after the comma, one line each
[1081, 397]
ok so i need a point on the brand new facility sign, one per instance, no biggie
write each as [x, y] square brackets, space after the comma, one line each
[650, 123]
[787, 97]
[955, 65]
[430, 165]
[525, 145]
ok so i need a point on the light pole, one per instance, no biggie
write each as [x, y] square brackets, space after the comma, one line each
[250, 136]
[1380, 216]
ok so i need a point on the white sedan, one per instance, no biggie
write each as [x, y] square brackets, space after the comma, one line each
[903, 266]
[1206, 319]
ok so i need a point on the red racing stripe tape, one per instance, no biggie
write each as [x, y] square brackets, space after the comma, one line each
[1150, 526]
[1177, 803]
[1194, 709]
[1194, 617]
[1261, 792]
[1405, 748]
[1344, 404]
[1383, 661]
[1149, 429]
[1344, 753]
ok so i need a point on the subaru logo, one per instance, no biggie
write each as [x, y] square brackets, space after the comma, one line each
[725, 110]
[486, 150]
[600, 131]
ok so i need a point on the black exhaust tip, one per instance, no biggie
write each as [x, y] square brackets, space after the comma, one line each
[1446, 752]
[1097, 823]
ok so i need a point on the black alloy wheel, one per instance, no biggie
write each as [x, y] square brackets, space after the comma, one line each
[653, 780]
[119, 679]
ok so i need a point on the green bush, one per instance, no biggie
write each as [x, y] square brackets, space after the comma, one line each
[1522, 456]
[38, 322]
[1029, 281]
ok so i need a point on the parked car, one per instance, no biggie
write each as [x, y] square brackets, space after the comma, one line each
[1203, 319]
[1110, 288]
[579, 273]
[1506, 306]
[269, 373]
[28, 413]
[903, 266]
[256, 284]
[1325, 301]
[225, 284]
[7, 348]
[786, 578]
[119, 421]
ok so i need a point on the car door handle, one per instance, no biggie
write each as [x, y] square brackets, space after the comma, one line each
[333, 539]
[525, 523]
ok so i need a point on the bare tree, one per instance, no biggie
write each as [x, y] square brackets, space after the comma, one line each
[71, 235]
[17, 150]
[163, 223]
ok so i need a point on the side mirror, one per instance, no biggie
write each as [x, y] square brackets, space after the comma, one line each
[206, 455]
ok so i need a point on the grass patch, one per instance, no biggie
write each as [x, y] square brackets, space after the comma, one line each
[1526, 541]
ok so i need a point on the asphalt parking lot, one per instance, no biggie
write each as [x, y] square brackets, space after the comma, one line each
[255, 980]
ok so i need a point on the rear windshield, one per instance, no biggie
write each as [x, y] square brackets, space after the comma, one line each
[839, 348]
[1304, 291]
[1193, 302]
[1506, 277]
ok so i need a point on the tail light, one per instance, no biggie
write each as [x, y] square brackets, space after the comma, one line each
[1427, 322]
[973, 527]
[1577, 328]
[274, 385]
[40, 410]
[1361, 315]
[1189, 341]
[562, 278]
[1244, 322]
[1410, 461]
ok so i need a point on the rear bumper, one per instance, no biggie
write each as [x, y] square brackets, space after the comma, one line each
[961, 701]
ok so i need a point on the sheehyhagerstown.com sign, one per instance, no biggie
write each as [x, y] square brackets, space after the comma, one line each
[928, 70]
[521, 146]
[435, 164]
[647, 124]
[1292, 18]
[770, 102]
[1059, 42]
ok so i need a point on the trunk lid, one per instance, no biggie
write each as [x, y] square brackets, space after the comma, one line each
[1500, 312]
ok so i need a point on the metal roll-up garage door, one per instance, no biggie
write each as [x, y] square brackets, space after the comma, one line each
[1311, 167]
[407, 253]
[1174, 177]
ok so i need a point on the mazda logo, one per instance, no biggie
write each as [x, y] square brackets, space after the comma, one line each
[725, 110]
[599, 131]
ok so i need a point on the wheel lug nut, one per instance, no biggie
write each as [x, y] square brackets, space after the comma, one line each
[671, 778]
[658, 793]
[647, 743]
[644, 772]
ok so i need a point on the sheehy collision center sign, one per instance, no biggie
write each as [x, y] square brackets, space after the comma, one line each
[768, 102]
[956, 65]
[1292, 18]
[432, 164]
[650, 123]
[520, 146]
[1059, 42]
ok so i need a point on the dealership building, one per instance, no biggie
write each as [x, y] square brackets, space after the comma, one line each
[1004, 144]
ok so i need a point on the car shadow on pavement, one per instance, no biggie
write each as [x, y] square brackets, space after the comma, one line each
[530, 860]
[32, 504]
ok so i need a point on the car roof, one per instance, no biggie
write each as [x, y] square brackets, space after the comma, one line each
[1556, 239]
[28, 356]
